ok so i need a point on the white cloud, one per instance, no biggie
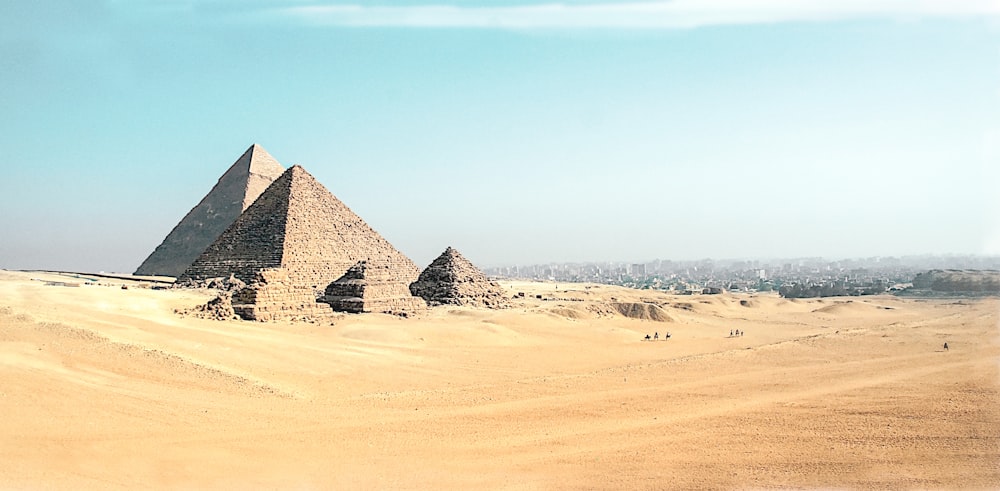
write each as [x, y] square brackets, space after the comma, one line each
[675, 14]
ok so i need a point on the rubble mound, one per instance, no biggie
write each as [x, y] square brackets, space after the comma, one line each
[642, 311]
[451, 279]
[372, 287]
[219, 308]
[231, 284]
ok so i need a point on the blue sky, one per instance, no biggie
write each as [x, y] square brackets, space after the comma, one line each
[517, 132]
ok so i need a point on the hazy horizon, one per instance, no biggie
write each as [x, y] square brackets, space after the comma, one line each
[933, 261]
[518, 132]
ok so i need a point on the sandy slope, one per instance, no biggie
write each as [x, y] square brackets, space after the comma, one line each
[102, 387]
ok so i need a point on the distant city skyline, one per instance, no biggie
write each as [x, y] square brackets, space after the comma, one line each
[794, 277]
[517, 132]
[929, 260]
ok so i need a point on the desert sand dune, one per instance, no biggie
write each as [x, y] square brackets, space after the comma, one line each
[852, 307]
[108, 388]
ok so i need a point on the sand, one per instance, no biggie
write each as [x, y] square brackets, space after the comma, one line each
[108, 388]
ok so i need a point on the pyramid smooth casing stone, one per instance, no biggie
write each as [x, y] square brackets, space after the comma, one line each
[235, 191]
[451, 279]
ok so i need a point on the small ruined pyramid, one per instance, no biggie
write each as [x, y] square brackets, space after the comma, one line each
[371, 287]
[235, 192]
[298, 226]
[272, 296]
[452, 280]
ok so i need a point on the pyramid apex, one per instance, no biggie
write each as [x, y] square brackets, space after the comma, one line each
[297, 172]
[451, 254]
[453, 279]
[256, 160]
[257, 151]
[253, 149]
[451, 258]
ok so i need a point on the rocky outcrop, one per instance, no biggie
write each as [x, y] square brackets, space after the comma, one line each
[372, 287]
[235, 191]
[452, 280]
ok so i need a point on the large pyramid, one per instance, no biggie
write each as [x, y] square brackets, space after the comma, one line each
[235, 192]
[453, 280]
[297, 225]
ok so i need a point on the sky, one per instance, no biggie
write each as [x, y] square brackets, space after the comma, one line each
[515, 131]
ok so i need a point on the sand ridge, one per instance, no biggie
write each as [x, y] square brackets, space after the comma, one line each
[108, 388]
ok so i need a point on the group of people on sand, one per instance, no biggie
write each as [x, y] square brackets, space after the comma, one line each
[656, 336]
[735, 333]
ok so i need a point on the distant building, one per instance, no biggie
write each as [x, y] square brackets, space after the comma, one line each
[638, 271]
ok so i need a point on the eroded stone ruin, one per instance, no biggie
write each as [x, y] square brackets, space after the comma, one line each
[372, 287]
[451, 279]
[272, 295]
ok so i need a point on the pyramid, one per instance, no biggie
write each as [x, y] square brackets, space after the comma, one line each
[235, 192]
[371, 287]
[271, 296]
[298, 226]
[452, 280]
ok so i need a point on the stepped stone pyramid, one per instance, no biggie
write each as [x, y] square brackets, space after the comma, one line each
[371, 287]
[298, 226]
[452, 280]
[235, 191]
[272, 296]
